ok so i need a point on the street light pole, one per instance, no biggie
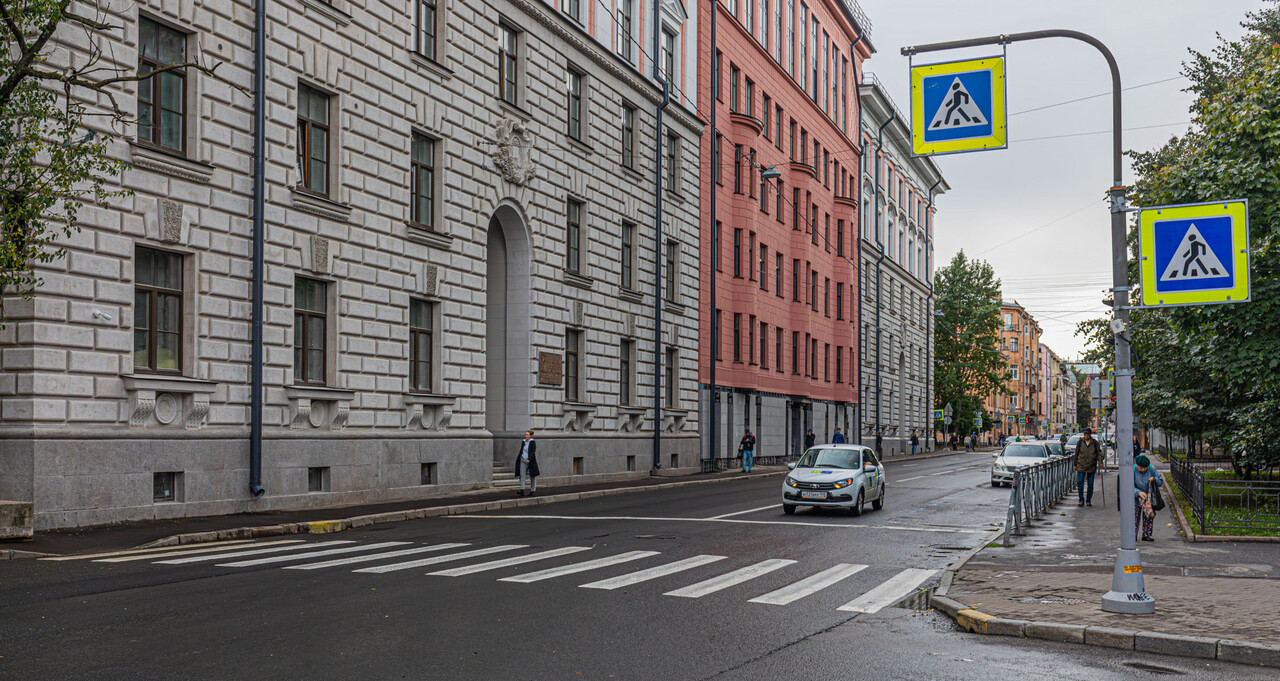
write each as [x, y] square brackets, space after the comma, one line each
[1128, 592]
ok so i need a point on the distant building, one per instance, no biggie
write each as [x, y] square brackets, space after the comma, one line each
[1016, 406]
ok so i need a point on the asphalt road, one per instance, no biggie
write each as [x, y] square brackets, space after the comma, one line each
[705, 582]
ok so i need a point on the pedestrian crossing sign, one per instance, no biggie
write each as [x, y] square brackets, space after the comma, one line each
[937, 415]
[958, 106]
[1194, 254]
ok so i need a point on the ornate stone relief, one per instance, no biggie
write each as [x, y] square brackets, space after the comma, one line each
[318, 253]
[327, 408]
[428, 412]
[513, 153]
[630, 419]
[167, 402]
[579, 417]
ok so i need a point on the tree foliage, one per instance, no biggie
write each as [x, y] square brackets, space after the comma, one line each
[967, 335]
[1213, 371]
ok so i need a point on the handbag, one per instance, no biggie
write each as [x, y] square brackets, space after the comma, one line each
[1157, 499]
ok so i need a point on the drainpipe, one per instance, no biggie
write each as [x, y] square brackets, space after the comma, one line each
[856, 430]
[259, 237]
[657, 242]
[928, 308]
[879, 270]
[712, 451]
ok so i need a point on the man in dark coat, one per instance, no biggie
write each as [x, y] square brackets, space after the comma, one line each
[809, 438]
[527, 464]
[1088, 454]
[747, 450]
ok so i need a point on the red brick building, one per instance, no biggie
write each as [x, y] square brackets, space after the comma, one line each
[779, 234]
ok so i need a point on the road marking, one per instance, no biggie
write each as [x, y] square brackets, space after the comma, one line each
[905, 465]
[750, 510]
[653, 573]
[376, 556]
[888, 593]
[155, 549]
[910, 479]
[943, 472]
[238, 554]
[442, 559]
[712, 520]
[317, 554]
[508, 562]
[194, 550]
[809, 585]
[573, 568]
[731, 578]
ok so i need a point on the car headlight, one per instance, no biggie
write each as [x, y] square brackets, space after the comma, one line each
[843, 483]
[791, 482]
[1001, 468]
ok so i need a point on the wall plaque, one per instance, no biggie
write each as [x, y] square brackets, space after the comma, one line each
[550, 368]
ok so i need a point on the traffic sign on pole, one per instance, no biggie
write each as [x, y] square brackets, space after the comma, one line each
[937, 414]
[1194, 254]
[958, 106]
[977, 422]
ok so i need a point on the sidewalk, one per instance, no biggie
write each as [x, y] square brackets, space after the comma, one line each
[1060, 570]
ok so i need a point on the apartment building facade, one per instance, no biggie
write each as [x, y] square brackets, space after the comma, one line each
[1017, 407]
[898, 192]
[460, 244]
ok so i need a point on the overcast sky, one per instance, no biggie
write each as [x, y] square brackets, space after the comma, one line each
[1036, 210]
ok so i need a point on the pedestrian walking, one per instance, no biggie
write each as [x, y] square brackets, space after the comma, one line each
[879, 443]
[1062, 439]
[1146, 480]
[915, 442]
[527, 464]
[973, 442]
[1088, 453]
[809, 438]
[747, 450]
[838, 438]
[953, 442]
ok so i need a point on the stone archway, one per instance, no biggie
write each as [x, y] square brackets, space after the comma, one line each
[507, 325]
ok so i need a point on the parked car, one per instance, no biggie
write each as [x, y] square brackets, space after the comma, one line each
[834, 476]
[1017, 455]
[1071, 442]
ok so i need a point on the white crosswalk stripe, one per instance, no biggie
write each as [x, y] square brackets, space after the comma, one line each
[653, 573]
[152, 550]
[731, 578]
[574, 568]
[252, 552]
[317, 554]
[508, 562]
[809, 585]
[377, 556]
[889, 592]
[441, 559]
[193, 551]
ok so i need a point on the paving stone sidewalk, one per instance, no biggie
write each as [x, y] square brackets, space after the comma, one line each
[1059, 571]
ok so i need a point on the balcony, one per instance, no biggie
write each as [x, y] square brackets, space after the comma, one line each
[747, 123]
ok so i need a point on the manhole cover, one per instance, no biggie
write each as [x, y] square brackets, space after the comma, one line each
[1049, 600]
[1154, 669]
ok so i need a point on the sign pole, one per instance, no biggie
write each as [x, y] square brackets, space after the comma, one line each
[1128, 591]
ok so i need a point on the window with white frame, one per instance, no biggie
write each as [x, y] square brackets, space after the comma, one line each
[572, 365]
[425, 28]
[508, 64]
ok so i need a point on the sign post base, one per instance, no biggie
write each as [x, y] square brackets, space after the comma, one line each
[1128, 595]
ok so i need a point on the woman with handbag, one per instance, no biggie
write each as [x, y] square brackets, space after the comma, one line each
[1146, 492]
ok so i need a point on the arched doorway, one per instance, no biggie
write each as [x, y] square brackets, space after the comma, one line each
[507, 321]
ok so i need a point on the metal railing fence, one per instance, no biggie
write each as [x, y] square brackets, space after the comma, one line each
[1230, 505]
[1035, 489]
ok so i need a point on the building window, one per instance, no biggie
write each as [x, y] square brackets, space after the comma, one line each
[826, 362]
[751, 249]
[840, 238]
[673, 164]
[750, 91]
[626, 379]
[673, 391]
[164, 486]
[162, 97]
[309, 311]
[157, 311]
[839, 300]
[573, 236]
[766, 108]
[626, 10]
[737, 337]
[423, 171]
[421, 344]
[575, 105]
[628, 254]
[668, 56]
[795, 353]
[574, 9]
[673, 258]
[777, 349]
[777, 203]
[751, 339]
[777, 273]
[733, 88]
[764, 345]
[737, 168]
[795, 280]
[629, 137]
[572, 357]
[826, 297]
[764, 267]
[508, 64]
[795, 209]
[777, 127]
[426, 29]
[839, 364]
[313, 140]
[737, 252]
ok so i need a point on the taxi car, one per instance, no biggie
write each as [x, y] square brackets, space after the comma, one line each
[835, 476]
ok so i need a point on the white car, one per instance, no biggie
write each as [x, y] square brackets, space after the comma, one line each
[834, 476]
[1016, 455]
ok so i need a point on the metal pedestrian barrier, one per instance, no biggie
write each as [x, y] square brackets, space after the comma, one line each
[1035, 489]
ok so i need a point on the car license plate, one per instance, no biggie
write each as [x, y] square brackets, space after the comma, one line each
[813, 495]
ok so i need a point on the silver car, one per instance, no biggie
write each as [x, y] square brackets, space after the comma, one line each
[1016, 455]
[835, 476]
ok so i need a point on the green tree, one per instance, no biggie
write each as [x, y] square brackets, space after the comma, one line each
[54, 138]
[967, 339]
[1213, 371]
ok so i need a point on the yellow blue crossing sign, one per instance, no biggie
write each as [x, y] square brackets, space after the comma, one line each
[1194, 254]
[938, 414]
[958, 106]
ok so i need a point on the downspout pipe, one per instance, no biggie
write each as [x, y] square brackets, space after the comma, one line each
[714, 426]
[879, 269]
[259, 239]
[929, 319]
[856, 431]
[657, 245]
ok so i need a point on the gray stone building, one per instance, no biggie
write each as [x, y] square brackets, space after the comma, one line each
[459, 245]
[898, 192]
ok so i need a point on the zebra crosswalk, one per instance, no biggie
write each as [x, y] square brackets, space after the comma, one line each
[462, 559]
